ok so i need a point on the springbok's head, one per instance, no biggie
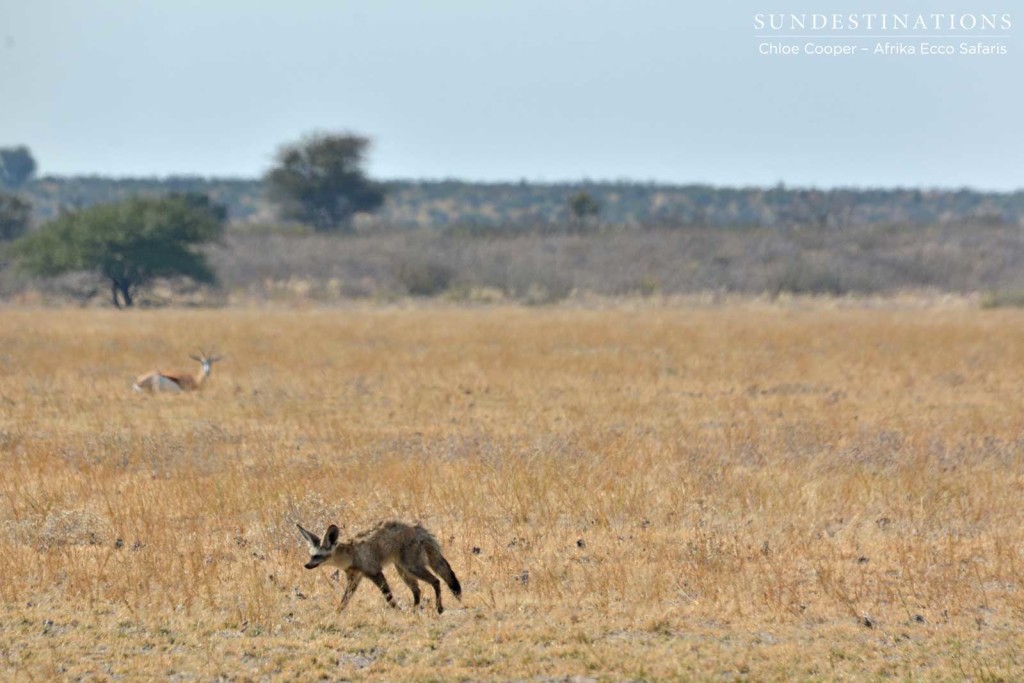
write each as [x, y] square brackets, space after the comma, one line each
[205, 360]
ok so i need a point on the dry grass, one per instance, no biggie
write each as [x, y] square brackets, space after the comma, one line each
[751, 492]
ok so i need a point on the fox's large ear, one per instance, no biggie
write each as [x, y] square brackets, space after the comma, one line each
[331, 538]
[311, 539]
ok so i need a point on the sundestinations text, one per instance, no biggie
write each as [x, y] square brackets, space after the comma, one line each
[882, 21]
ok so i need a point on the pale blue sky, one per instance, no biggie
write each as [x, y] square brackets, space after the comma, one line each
[500, 90]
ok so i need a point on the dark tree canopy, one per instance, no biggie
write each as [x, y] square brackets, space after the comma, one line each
[129, 243]
[582, 205]
[320, 181]
[15, 213]
[583, 212]
[16, 166]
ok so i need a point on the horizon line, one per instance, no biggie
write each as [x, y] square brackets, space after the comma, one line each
[781, 184]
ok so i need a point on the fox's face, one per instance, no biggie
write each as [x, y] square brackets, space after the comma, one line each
[320, 551]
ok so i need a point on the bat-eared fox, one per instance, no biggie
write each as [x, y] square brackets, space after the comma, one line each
[409, 547]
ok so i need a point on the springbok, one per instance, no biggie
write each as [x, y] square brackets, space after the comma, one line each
[180, 381]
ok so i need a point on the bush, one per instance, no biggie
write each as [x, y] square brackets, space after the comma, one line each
[423, 277]
[1013, 298]
[803, 276]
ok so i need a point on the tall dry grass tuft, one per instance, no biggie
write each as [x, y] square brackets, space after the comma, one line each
[753, 491]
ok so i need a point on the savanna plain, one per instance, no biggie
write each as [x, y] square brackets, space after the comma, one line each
[745, 491]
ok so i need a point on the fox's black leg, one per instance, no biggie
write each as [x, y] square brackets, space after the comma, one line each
[411, 582]
[382, 584]
[422, 573]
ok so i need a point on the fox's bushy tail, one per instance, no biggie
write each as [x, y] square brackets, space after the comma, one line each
[440, 565]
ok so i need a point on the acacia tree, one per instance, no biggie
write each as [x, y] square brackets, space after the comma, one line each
[320, 181]
[17, 166]
[129, 243]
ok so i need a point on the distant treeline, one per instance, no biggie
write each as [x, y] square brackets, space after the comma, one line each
[448, 203]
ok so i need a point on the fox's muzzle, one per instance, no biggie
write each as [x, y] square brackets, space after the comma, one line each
[315, 562]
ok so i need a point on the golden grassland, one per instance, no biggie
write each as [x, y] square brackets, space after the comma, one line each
[752, 492]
